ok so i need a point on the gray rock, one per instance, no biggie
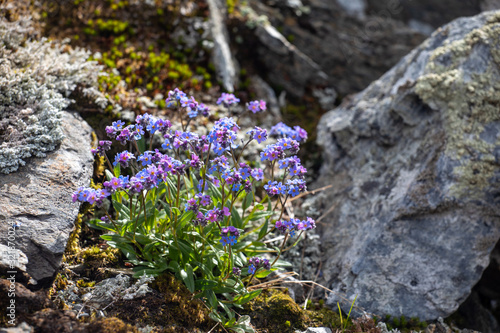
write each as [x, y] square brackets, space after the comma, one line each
[316, 330]
[490, 5]
[354, 7]
[328, 46]
[37, 198]
[414, 161]
[22, 328]
[353, 42]
[222, 59]
[278, 52]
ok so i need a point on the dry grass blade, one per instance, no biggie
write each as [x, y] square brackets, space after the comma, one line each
[310, 192]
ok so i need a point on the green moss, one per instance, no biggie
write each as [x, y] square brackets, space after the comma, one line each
[467, 105]
[272, 309]
[171, 307]
[111, 325]
[405, 325]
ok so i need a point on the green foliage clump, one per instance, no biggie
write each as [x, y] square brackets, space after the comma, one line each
[404, 324]
[272, 309]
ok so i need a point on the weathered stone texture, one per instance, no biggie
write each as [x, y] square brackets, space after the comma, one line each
[38, 198]
[415, 163]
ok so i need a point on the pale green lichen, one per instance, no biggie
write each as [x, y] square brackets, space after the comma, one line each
[468, 101]
[36, 80]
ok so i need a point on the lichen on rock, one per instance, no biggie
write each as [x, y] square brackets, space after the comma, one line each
[462, 82]
[414, 164]
[36, 81]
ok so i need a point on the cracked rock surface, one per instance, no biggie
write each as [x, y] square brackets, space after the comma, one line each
[37, 198]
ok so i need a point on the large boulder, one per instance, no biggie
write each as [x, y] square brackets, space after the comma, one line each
[414, 161]
[303, 45]
[36, 210]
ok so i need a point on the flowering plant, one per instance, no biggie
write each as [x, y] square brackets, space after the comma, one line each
[193, 207]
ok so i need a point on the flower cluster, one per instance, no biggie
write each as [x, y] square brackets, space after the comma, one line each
[123, 133]
[177, 97]
[196, 193]
[258, 134]
[296, 133]
[227, 99]
[90, 195]
[102, 148]
[257, 106]
[295, 225]
[229, 235]
[256, 263]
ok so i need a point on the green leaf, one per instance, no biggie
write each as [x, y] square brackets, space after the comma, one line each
[247, 201]
[116, 170]
[159, 268]
[123, 211]
[248, 297]
[259, 215]
[236, 219]
[100, 225]
[176, 211]
[142, 145]
[214, 191]
[259, 206]
[282, 264]
[203, 284]
[262, 274]
[263, 230]
[186, 248]
[187, 277]
[173, 187]
[174, 266]
[211, 298]
[185, 218]
[215, 316]
[108, 174]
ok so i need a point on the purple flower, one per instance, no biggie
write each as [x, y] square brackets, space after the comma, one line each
[219, 150]
[192, 204]
[102, 148]
[257, 106]
[227, 99]
[229, 235]
[167, 145]
[195, 162]
[256, 263]
[282, 130]
[257, 174]
[138, 132]
[262, 105]
[200, 219]
[124, 135]
[258, 134]
[136, 185]
[174, 96]
[213, 215]
[204, 110]
[113, 184]
[205, 199]
[145, 158]
[271, 188]
[236, 271]
[123, 158]
[117, 125]
[152, 127]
